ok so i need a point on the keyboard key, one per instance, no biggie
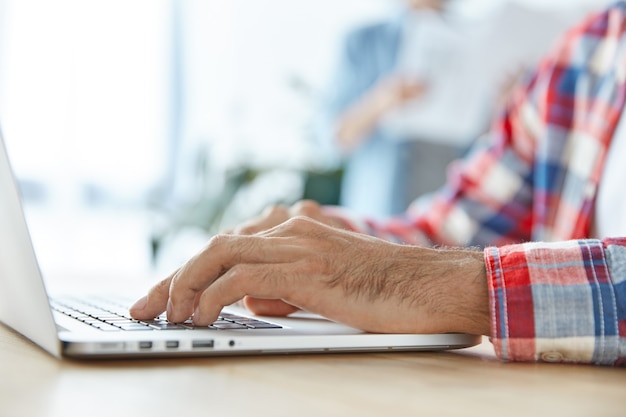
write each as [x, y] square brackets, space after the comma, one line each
[105, 327]
[166, 325]
[134, 326]
[192, 327]
[263, 325]
[229, 325]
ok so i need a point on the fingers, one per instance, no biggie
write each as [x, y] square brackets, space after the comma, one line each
[181, 292]
[258, 281]
[153, 304]
[224, 256]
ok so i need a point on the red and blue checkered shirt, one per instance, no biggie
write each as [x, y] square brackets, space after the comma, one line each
[562, 297]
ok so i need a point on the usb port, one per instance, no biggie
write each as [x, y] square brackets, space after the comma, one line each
[202, 343]
[171, 344]
[145, 345]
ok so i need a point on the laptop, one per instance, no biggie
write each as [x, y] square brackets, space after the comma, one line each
[100, 327]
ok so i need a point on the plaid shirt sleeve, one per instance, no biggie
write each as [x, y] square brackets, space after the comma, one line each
[559, 302]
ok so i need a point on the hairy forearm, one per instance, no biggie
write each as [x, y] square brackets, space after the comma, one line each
[440, 290]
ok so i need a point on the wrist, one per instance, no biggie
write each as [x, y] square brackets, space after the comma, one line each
[473, 306]
[464, 296]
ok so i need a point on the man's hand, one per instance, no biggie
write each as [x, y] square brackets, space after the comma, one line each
[351, 278]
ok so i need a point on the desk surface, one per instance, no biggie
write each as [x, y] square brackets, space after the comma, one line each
[464, 382]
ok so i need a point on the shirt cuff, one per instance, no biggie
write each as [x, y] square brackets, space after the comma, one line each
[555, 302]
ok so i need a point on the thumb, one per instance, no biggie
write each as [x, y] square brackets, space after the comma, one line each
[264, 307]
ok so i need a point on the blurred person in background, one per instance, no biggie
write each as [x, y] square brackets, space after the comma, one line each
[366, 87]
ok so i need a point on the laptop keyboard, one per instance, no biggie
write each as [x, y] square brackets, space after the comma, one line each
[112, 317]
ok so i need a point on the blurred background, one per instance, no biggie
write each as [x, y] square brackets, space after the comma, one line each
[139, 128]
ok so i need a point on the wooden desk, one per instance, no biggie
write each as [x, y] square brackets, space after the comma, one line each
[460, 383]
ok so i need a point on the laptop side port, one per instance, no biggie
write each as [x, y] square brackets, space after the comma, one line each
[172, 344]
[199, 344]
[145, 345]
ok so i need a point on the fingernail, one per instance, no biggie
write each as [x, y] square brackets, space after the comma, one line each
[170, 309]
[196, 313]
[140, 304]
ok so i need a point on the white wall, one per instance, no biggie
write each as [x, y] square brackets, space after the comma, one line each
[84, 89]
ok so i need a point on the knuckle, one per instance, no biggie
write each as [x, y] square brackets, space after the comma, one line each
[237, 272]
[247, 230]
[306, 208]
[275, 210]
[217, 241]
[300, 223]
[218, 245]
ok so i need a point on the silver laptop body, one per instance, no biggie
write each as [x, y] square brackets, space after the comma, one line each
[25, 306]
